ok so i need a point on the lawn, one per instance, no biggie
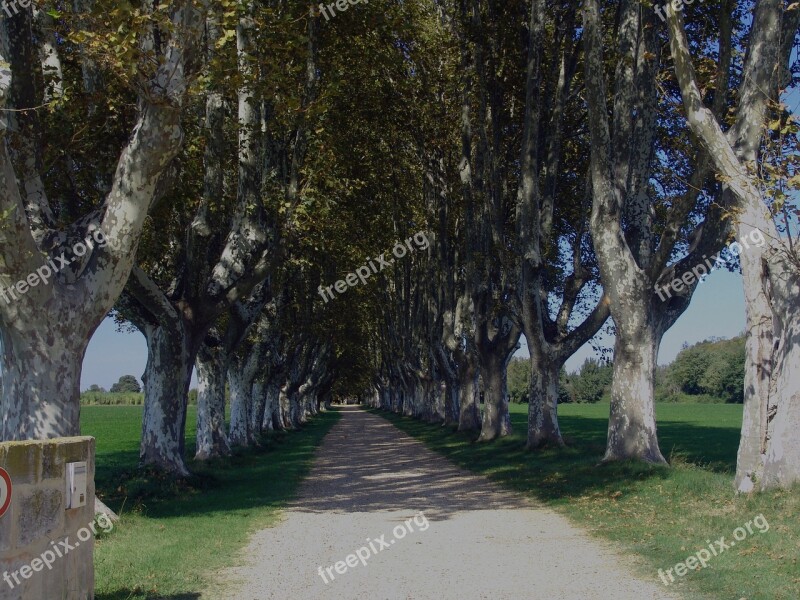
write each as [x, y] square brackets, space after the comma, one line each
[660, 515]
[172, 538]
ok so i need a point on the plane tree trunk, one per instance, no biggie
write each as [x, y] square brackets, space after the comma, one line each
[497, 345]
[212, 441]
[225, 260]
[551, 341]
[769, 452]
[631, 260]
[173, 342]
[166, 386]
[241, 377]
[45, 331]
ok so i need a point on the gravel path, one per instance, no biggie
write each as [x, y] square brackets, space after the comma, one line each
[426, 529]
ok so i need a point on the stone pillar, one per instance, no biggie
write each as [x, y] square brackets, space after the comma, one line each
[46, 551]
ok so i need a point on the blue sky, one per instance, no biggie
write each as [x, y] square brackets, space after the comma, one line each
[717, 310]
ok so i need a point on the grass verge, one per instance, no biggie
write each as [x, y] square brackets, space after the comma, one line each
[662, 515]
[174, 537]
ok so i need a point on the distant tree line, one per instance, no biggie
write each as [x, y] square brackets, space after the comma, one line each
[709, 371]
[126, 392]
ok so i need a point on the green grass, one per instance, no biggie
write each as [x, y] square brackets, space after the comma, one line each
[662, 515]
[173, 537]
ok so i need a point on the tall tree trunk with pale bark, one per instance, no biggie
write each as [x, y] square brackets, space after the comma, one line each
[212, 441]
[543, 428]
[550, 341]
[468, 393]
[632, 265]
[45, 331]
[497, 343]
[166, 386]
[769, 452]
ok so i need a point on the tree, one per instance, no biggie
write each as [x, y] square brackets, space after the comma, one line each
[46, 330]
[591, 382]
[635, 226]
[560, 307]
[225, 235]
[126, 383]
[518, 377]
[714, 368]
[769, 453]
[689, 368]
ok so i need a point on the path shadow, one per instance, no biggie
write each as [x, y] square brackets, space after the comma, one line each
[366, 464]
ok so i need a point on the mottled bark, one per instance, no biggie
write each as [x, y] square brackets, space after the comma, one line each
[272, 417]
[77, 299]
[166, 388]
[448, 370]
[212, 442]
[782, 461]
[290, 406]
[759, 350]
[438, 402]
[259, 407]
[48, 55]
[769, 453]
[497, 340]
[242, 375]
[34, 363]
[279, 418]
[468, 414]
[632, 423]
[622, 224]
[543, 429]
[172, 347]
[551, 341]
[241, 388]
[496, 420]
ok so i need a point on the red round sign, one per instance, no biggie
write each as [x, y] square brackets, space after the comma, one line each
[5, 491]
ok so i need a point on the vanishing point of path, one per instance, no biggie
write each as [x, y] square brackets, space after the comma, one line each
[368, 480]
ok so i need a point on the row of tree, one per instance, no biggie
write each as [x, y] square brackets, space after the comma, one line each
[600, 155]
[237, 155]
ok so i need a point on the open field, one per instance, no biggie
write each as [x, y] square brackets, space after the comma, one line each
[662, 515]
[173, 537]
